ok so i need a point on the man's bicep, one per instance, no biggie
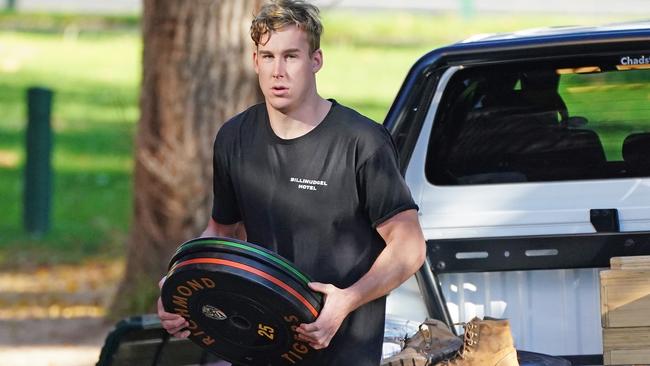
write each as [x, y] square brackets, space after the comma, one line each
[401, 226]
[402, 232]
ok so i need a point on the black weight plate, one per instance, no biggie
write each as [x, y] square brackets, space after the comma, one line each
[205, 249]
[288, 287]
[239, 312]
[314, 298]
[243, 248]
[217, 244]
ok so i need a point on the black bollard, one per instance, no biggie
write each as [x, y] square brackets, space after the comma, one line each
[38, 166]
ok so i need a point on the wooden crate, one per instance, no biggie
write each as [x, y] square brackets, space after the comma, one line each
[625, 298]
[635, 357]
[639, 263]
[626, 346]
[625, 311]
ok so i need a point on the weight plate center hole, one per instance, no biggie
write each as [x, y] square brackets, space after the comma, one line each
[240, 322]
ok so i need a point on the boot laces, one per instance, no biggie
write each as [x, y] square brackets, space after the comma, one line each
[470, 339]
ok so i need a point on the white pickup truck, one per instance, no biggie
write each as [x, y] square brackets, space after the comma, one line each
[529, 156]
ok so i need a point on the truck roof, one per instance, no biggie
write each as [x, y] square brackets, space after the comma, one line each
[548, 33]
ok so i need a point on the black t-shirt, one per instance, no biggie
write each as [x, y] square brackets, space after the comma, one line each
[316, 200]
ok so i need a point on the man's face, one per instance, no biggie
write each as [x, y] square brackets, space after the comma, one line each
[286, 68]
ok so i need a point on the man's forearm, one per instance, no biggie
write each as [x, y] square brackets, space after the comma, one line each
[391, 269]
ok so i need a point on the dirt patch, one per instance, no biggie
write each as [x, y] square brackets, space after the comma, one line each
[52, 342]
[54, 315]
[49, 356]
[42, 332]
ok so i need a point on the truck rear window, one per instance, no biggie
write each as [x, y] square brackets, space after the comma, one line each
[550, 121]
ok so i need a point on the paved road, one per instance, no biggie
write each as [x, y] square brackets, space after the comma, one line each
[639, 7]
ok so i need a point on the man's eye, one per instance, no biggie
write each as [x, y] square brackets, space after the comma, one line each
[267, 57]
[292, 56]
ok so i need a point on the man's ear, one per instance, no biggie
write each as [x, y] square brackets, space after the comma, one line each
[255, 66]
[316, 60]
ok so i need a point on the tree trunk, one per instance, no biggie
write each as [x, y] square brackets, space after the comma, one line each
[197, 73]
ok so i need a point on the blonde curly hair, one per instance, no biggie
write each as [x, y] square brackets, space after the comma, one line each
[281, 13]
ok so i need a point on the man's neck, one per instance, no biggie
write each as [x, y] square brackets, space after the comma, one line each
[295, 123]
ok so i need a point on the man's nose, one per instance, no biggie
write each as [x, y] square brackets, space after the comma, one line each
[278, 68]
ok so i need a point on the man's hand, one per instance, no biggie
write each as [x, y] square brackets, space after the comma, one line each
[338, 304]
[173, 323]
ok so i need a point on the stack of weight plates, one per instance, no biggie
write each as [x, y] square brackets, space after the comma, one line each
[242, 302]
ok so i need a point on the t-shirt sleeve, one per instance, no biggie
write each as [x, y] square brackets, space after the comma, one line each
[382, 189]
[225, 209]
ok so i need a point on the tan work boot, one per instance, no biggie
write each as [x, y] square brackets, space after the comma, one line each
[432, 343]
[488, 342]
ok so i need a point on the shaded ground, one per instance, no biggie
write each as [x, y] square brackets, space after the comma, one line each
[49, 356]
[53, 315]
[52, 342]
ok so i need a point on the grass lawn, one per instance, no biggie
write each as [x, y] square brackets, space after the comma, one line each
[95, 78]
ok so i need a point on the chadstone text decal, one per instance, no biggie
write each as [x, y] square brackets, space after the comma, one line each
[641, 60]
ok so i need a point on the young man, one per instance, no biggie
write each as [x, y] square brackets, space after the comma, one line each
[319, 184]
